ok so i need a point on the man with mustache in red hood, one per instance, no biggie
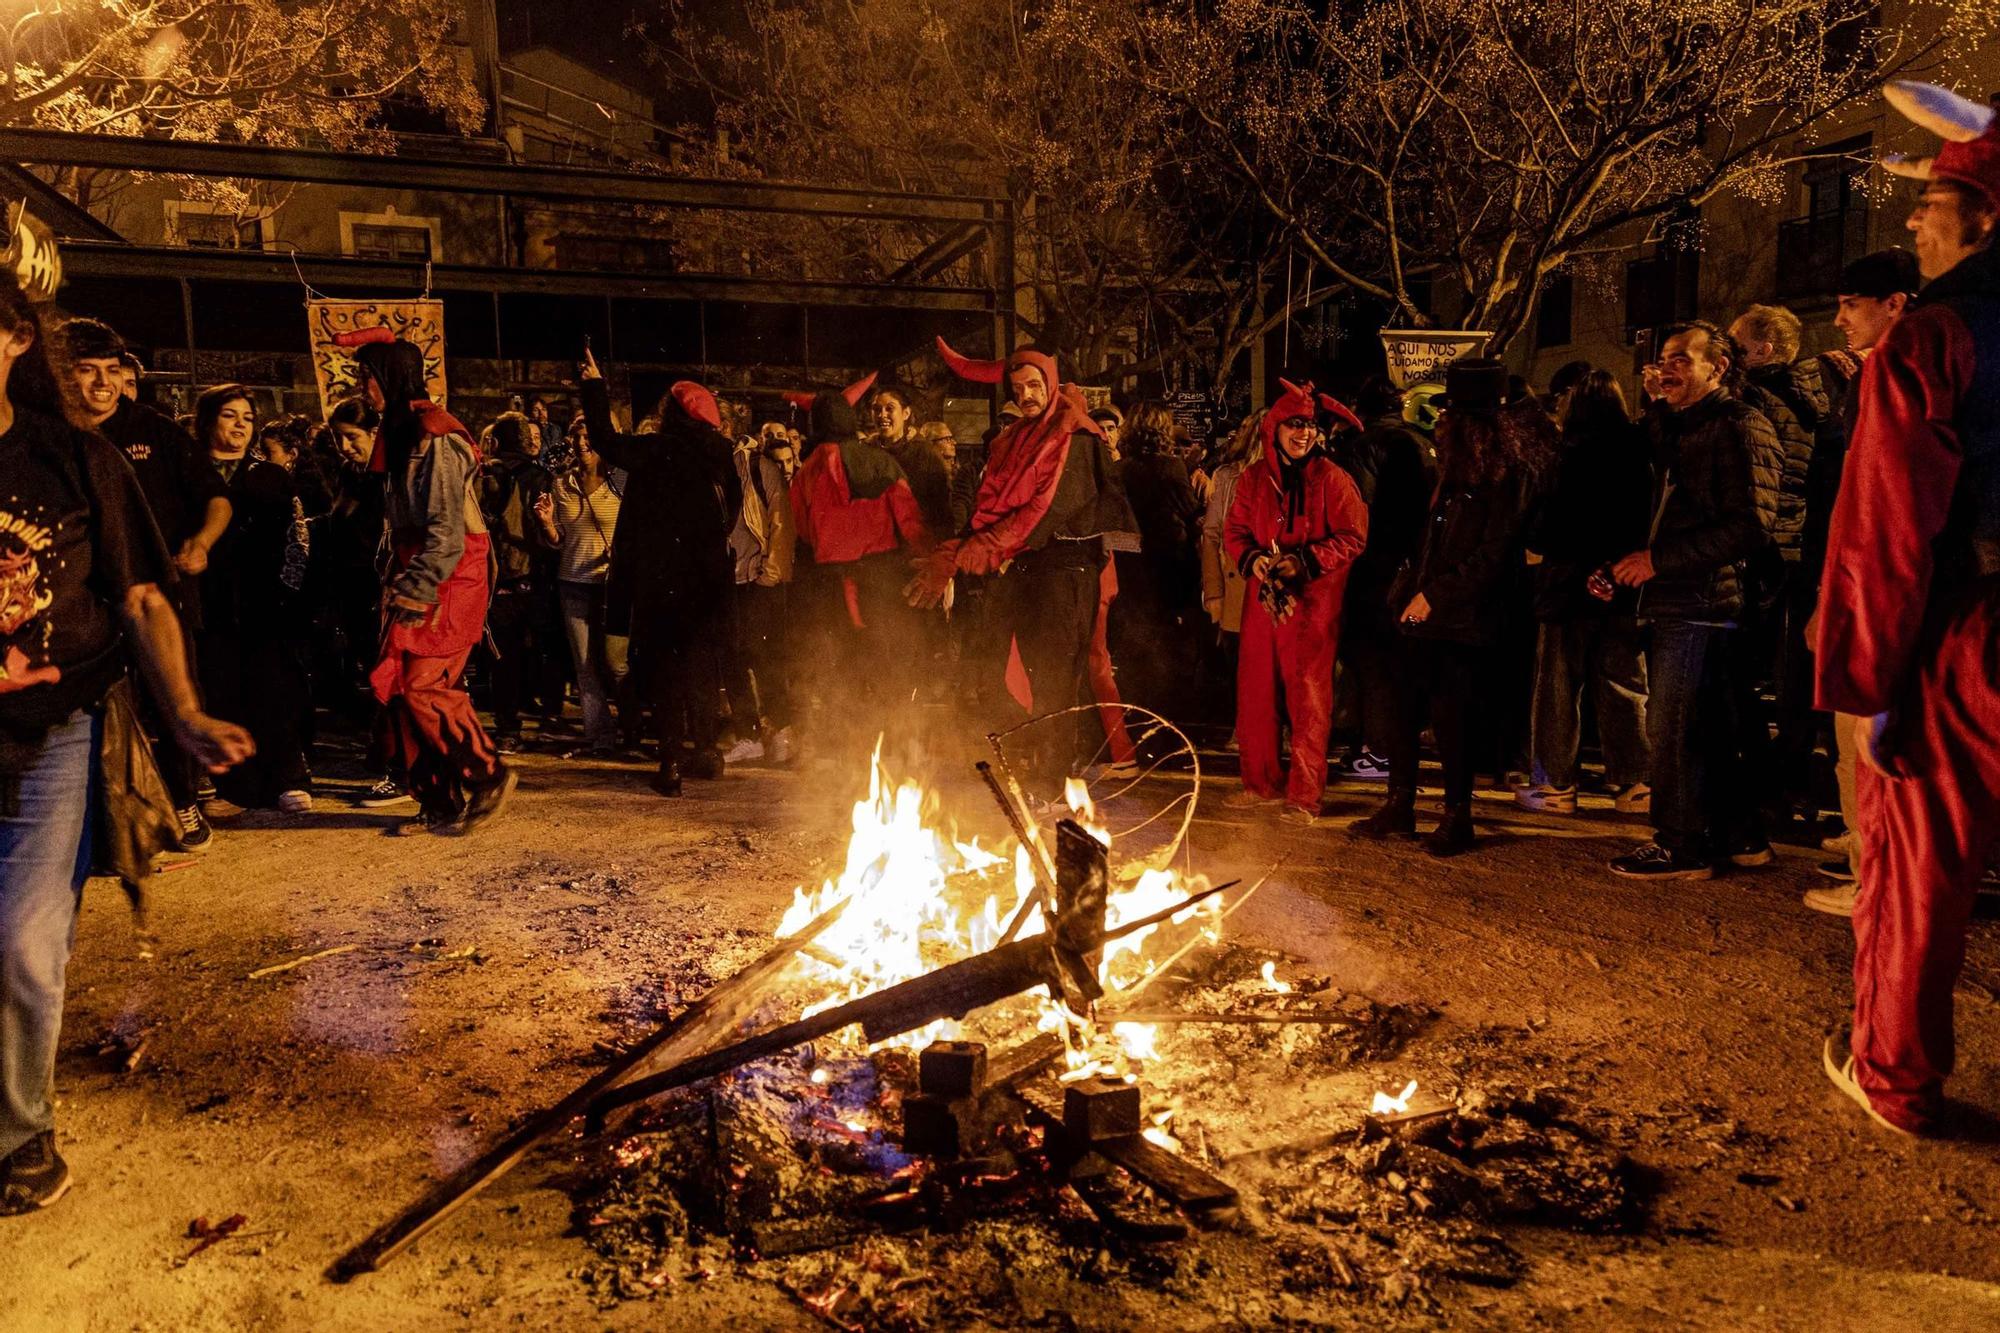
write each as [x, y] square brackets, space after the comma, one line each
[1048, 501]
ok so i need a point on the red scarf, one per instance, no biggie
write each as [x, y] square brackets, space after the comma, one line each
[1023, 468]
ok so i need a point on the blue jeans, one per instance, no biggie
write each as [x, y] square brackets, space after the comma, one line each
[582, 612]
[44, 858]
[1606, 654]
[1700, 801]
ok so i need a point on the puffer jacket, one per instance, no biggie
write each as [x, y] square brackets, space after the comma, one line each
[1715, 505]
[1793, 399]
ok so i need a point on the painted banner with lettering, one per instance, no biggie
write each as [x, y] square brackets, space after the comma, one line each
[419, 322]
[1419, 356]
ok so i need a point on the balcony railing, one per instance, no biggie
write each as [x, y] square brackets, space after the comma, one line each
[1813, 250]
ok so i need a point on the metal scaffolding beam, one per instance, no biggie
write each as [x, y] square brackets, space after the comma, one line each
[517, 180]
[110, 260]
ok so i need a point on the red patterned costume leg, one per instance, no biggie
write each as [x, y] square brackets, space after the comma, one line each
[437, 734]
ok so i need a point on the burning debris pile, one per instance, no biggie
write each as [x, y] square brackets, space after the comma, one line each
[1013, 1075]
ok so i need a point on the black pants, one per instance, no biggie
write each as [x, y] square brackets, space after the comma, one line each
[1446, 676]
[677, 664]
[258, 682]
[760, 684]
[1048, 603]
[1370, 649]
[518, 649]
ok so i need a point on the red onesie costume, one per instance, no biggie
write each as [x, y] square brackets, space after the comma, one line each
[1311, 509]
[1909, 631]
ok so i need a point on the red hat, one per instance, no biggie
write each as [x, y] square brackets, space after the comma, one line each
[1298, 400]
[697, 402]
[981, 371]
[1971, 153]
[1340, 412]
[852, 393]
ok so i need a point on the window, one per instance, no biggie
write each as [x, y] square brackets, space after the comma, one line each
[193, 222]
[397, 244]
[1812, 250]
[1554, 315]
[1666, 288]
[390, 237]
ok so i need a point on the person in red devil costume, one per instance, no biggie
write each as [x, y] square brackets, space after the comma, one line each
[1048, 502]
[858, 515]
[1909, 625]
[434, 605]
[1294, 530]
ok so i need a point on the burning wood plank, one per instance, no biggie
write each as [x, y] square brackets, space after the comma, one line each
[952, 991]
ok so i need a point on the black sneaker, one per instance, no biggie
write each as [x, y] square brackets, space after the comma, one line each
[510, 744]
[1751, 853]
[386, 792]
[33, 1176]
[196, 835]
[486, 802]
[667, 782]
[1653, 861]
[426, 821]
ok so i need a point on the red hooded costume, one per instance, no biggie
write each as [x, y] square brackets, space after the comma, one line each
[1909, 634]
[1312, 513]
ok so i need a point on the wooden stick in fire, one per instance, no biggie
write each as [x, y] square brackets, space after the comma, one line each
[691, 1031]
[1014, 805]
[951, 991]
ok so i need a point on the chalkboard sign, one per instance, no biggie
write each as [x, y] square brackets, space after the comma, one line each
[1194, 413]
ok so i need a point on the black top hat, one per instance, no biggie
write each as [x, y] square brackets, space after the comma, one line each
[1476, 384]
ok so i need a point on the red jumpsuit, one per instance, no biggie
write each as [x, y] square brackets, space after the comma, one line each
[1909, 624]
[1290, 665]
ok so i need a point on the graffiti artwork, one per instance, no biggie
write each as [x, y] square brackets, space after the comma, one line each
[419, 322]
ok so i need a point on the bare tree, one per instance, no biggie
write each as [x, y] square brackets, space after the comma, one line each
[1486, 144]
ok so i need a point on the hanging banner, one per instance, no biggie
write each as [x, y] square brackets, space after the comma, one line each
[1419, 356]
[414, 321]
[31, 254]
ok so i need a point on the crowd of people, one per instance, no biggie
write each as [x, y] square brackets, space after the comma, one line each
[1733, 583]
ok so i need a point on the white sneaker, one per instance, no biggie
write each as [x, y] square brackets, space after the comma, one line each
[1369, 765]
[743, 752]
[779, 751]
[295, 802]
[1835, 901]
[1547, 800]
[1121, 772]
[1636, 799]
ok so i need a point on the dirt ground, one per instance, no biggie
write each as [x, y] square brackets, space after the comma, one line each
[317, 1101]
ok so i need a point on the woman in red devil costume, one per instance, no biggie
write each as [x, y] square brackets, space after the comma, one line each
[434, 607]
[1294, 530]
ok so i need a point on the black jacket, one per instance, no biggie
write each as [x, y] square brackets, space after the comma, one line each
[1471, 545]
[1840, 375]
[1393, 469]
[1716, 502]
[1793, 399]
[1598, 508]
[242, 591]
[1169, 516]
[671, 569]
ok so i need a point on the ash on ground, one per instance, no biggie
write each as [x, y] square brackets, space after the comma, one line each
[791, 1172]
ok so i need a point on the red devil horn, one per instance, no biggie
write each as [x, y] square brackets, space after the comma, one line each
[966, 368]
[1300, 390]
[802, 401]
[1340, 410]
[381, 333]
[852, 393]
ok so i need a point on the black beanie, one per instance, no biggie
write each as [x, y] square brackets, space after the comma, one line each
[1881, 275]
[832, 418]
